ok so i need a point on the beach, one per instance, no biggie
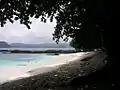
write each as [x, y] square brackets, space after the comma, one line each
[37, 66]
[64, 67]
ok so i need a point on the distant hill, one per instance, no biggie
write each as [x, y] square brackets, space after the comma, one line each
[43, 45]
[4, 44]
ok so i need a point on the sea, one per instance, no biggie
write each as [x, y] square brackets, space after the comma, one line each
[12, 60]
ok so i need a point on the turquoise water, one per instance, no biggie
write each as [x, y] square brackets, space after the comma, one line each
[11, 60]
[17, 59]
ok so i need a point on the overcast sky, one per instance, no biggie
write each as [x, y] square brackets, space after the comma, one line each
[17, 33]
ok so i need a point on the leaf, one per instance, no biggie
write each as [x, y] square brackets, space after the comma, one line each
[16, 18]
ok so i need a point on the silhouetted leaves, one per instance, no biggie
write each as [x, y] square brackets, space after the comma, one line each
[76, 19]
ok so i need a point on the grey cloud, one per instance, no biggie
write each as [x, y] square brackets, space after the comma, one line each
[16, 33]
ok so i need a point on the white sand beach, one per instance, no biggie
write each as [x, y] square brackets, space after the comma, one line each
[37, 67]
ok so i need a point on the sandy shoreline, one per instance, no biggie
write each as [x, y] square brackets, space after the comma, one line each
[57, 62]
[36, 67]
[56, 69]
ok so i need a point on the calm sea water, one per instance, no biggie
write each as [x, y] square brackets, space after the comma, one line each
[15, 59]
[12, 60]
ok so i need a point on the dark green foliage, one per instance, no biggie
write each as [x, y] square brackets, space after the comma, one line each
[78, 19]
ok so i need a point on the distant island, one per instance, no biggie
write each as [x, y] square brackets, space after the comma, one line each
[42, 45]
[4, 44]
